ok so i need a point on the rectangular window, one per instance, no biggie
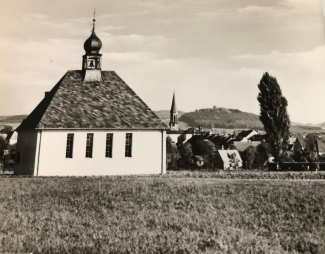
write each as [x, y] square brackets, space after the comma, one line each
[89, 145]
[69, 149]
[128, 145]
[109, 145]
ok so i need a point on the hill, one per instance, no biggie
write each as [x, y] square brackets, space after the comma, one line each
[221, 118]
[164, 114]
[12, 119]
[229, 119]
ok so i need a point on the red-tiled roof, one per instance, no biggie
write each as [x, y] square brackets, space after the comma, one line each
[110, 103]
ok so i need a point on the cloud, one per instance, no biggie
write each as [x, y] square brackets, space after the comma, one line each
[130, 57]
[308, 60]
[210, 14]
[300, 75]
[37, 16]
[256, 9]
[132, 42]
[113, 28]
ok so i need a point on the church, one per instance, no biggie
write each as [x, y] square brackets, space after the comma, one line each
[91, 123]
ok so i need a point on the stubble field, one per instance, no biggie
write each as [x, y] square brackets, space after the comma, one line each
[161, 215]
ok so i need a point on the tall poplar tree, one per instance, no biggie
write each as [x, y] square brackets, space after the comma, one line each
[274, 114]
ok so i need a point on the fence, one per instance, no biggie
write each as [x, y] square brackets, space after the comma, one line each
[296, 166]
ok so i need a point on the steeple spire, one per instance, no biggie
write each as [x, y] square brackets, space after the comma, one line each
[173, 123]
[94, 20]
[91, 62]
[173, 108]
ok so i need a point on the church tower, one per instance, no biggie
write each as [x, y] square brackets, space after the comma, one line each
[173, 123]
[91, 61]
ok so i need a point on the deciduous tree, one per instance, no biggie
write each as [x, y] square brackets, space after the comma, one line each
[186, 154]
[310, 146]
[6, 129]
[262, 153]
[3, 146]
[274, 114]
[249, 156]
[171, 154]
[204, 148]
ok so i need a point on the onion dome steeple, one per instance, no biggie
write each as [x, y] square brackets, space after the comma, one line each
[91, 61]
[93, 44]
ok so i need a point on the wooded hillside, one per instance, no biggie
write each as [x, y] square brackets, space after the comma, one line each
[12, 119]
[221, 118]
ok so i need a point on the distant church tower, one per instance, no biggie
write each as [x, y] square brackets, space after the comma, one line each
[91, 61]
[173, 123]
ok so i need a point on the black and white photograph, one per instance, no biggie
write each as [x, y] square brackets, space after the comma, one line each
[160, 126]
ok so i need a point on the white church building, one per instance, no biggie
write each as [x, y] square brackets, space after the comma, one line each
[91, 123]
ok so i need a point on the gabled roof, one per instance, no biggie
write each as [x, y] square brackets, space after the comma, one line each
[226, 155]
[258, 137]
[301, 141]
[320, 146]
[221, 139]
[244, 134]
[110, 103]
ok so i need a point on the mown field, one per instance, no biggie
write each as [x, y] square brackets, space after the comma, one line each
[161, 215]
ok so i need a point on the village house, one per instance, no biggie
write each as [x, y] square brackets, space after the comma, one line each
[299, 145]
[320, 146]
[229, 159]
[242, 146]
[91, 123]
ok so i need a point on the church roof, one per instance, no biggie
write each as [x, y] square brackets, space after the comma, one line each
[110, 103]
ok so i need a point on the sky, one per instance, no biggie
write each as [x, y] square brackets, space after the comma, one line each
[210, 52]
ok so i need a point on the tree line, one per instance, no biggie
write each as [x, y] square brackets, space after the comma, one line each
[186, 155]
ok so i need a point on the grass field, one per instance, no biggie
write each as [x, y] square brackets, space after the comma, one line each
[161, 215]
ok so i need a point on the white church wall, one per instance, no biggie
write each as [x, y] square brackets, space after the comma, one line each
[26, 150]
[148, 153]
